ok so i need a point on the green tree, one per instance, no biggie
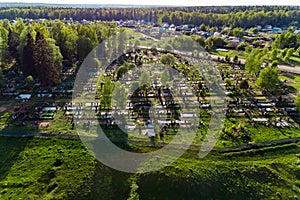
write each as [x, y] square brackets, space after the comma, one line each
[45, 62]
[144, 82]
[202, 27]
[29, 80]
[227, 58]
[218, 42]
[298, 51]
[289, 54]
[167, 59]
[236, 59]
[2, 80]
[283, 53]
[119, 96]
[286, 40]
[165, 77]
[66, 38]
[242, 46]
[274, 64]
[168, 47]
[121, 41]
[244, 85]
[268, 79]
[106, 98]
[238, 32]
[274, 54]
[297, 102]
[144, 79]
[209, 44]
[121, 71]
[23, 38]
[135, 87]
[86, 42]
[199, 39]
[13, 42]
[28, 65]
[55, 52]
[253, 30]
[4, 49]
[254, 61]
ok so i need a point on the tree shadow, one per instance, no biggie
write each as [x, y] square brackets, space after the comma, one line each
[108, 183]
[10, 149]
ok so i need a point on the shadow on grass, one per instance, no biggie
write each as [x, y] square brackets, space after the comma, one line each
[213, 186]
[109, 184]
[10, 148]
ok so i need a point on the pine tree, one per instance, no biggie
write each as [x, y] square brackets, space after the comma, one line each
[45, 66]
[27, 66]
[2, 80]
[13, 42]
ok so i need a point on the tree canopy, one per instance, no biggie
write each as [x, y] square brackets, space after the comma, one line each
[2, 80]
[297, 102]
[239, 16]
[268, 79]
[254, 61]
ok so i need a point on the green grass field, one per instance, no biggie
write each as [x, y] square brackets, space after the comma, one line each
[231, 53]
[33, 168]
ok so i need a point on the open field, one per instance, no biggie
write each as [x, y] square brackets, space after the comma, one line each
[64, 169]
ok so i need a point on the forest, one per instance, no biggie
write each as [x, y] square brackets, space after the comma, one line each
[242, 16]
[64, 43]
[22, 44]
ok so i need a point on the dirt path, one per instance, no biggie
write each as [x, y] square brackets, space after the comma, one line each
[284, 68]
[239, 148]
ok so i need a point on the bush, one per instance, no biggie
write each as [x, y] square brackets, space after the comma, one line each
[242, 46]
[30, 80]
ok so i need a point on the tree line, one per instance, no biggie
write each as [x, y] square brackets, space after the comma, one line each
[39, 49]
[241, 16]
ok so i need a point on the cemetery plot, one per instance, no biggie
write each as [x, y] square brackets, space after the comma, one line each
[143, 107]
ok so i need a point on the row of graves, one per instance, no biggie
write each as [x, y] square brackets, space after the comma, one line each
[155, 107]
[32, 102]
[250, 104]
[18, 86]
[32, 114]
[14, 84]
